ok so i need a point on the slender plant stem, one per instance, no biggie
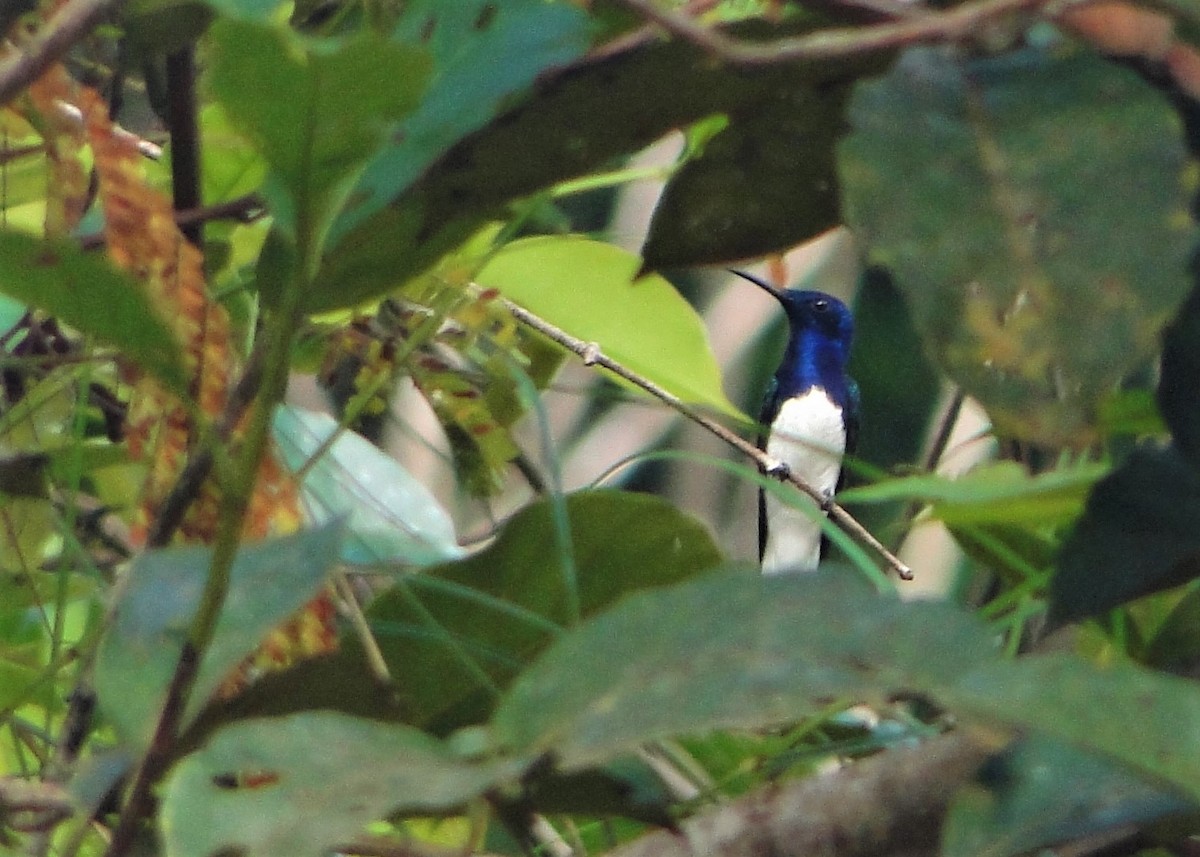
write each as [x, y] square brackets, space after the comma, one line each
[932, 458]
[235, 500]
[949, 25]
[244, 209]
[591, 355]
[185, 138]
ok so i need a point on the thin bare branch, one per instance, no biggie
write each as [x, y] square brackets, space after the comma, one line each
[953, 24]
[591, 355]
[244, 209]
[67, 26]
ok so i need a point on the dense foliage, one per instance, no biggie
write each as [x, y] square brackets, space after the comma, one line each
[230, 625]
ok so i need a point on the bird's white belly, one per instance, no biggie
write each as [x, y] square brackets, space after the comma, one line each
[809, 437]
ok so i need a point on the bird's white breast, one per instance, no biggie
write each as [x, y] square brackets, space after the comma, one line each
[808, 436]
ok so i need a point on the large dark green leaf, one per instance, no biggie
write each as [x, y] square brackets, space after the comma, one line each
[576, 122]
[157, 27]
[1145, 720]
[317, 110]
[1175, 644]
[303, 784]
[270, 581]
[1039, 792]
[1138, 535]
[998, 191]
[886, 347]
[730, 650]
[764, 183]
[86, 292]
[453, 635]
[1179, 384]
[484, 55]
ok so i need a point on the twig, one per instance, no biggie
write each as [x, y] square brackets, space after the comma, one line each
[933, 457]
[645, 34]
[592, 355]
[244, 209]
[187, 486]
[147, 148]
[949, 25]
[376, 662]
[31, 806]
[158, 755]
[946, 425]
[66, 27]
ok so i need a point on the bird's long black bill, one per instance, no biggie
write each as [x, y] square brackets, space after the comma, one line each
[762, 284]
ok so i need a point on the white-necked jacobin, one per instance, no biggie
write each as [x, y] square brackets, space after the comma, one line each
[809, 420]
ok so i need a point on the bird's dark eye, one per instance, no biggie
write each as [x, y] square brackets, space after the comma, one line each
[820, 305]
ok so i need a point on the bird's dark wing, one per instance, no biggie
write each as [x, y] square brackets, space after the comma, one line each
[770, 410]
[850, 419]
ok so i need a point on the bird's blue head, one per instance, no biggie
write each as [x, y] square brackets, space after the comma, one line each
[821, 330]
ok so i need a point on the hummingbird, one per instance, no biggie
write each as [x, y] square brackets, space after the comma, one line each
[809, 421]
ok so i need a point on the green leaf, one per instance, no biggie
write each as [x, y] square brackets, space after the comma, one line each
[1175, 645]
[1178, 389]
[454, 635]
[1002, 492]
[388, 514]
[155, 28]
[11, 313]
[886, 347]
[588, 289]
[1040, 792]
[730, 650]
[317, 110]
[1137, 535]
[765, 182]
[611, 107]
[1145, 720]
[894, 418]
[303, 784]
[86, 292]
[252, 10]
[484, 54]
[270, 581]
[998, 192]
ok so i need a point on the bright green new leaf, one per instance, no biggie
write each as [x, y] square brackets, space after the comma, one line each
[270, 581]
[303, 784]
[484, 55]
[588, 289]
[455, 634]
[730, 651]
[389, 515]
[998, 493]
[1146, 720]
[998, 192]
[318, 111]
[86, 292]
